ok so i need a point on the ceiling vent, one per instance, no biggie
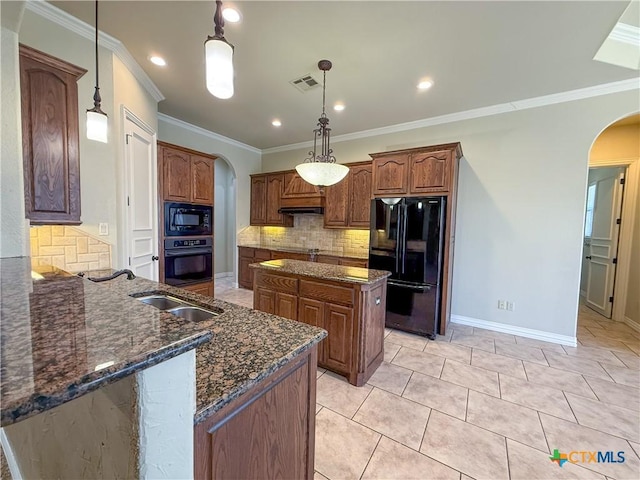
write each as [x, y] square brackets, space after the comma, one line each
[305, 83]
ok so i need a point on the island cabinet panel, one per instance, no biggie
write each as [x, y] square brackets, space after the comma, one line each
[49, 106]
[430, 172]
[186, 176]
[353, 314]
[390, 175]
[268, 432]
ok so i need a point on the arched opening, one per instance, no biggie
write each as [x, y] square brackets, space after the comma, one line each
[610, 276]
[224, 224]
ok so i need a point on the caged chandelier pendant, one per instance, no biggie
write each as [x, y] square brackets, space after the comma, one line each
[320, 168]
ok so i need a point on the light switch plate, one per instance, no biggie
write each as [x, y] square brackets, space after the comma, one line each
[103, 229]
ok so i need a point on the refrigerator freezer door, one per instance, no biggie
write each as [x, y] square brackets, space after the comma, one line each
[413, 308]
[421, 246]
[384, 241]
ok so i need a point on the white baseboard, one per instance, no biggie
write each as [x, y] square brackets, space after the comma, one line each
[632, 323]
[513, 330]
[12, 462]
[223, 275]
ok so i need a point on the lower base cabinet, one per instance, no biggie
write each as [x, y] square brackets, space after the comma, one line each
[268, 432]
[205, 289]
[353, 315]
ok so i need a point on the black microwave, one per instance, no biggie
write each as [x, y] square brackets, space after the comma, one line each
[187, 219]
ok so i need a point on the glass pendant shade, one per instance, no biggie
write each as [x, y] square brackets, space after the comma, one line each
[219, 67]
[322, 174]
[97, 126]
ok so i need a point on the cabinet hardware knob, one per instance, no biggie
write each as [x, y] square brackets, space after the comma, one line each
[588, 257]
[154, 258]
[377, 300]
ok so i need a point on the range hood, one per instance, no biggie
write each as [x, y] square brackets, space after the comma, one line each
[300, 197]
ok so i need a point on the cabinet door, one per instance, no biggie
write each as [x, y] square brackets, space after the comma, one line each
[430, 172]
[49, 104]
[336, 206]
[338, 322]
[287, 305]
[245, 277]
[360, 196]
[328, 259]
[258, 213]
[202, 179]
[311, 312]
[390, 175]
[275, 186]
[176, 175]
[354, 262]
[264, 300]
[201, 288]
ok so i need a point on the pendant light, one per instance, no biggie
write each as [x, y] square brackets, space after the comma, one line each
[320, 168]
[96, 119]
[219, 59]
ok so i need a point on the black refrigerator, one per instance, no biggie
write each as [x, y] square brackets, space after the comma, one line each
[407, 240]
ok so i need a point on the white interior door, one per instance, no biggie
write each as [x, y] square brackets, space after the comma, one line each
[142, 215]
[601, 239]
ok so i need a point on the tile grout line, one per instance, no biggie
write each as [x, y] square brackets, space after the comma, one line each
[371, 456]
[571, 408]
[424, 434]
[506, 448]
[544, 433]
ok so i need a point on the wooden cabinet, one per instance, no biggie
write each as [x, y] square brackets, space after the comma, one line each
[247, 256]
[430, 172]
[50, 153]
[352, 313]
[205, 289]
[266, 195]
[390, 175]
[186, 176]
[346, 261]
[348, 203]
[277, 255]
[267, 432]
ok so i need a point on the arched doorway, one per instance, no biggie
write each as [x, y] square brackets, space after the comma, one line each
[610, 277]
[224, 222]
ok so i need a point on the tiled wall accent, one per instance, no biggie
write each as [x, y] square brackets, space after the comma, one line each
[68, 248]
[308, 232]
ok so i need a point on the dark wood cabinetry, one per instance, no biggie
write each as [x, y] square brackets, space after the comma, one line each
[268, 432]
[390, 175]
[50, 152]
[266, 197]
[346, 261]
[430, 172]
[352, 314]
[205, 289]
[186, 176]
[348, 203]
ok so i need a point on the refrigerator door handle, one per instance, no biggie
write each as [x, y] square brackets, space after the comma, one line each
[417, 288]
[403, 251]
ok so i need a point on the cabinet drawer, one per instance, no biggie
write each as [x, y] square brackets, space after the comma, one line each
[291, 256]
[322, 291]
[246, 252]
[277, 282]
[354, 262]
[262, 255]
[328, 259]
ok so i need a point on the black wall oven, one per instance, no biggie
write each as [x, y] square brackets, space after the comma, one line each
[182, 219]
[188, 261]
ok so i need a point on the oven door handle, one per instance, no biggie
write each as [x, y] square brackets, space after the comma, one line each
[181, 252]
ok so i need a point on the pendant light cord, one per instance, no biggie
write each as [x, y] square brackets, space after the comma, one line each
[324, 88]
[97, 82]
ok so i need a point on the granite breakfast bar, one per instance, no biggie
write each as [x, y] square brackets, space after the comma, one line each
[96, 384]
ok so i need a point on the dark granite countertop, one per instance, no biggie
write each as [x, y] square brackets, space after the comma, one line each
[324, 270]
[306, 250]
[63, 336]
[45, 364]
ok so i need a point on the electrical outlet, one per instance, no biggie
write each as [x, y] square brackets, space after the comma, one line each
[103, 229]
[511, 306]
[502, 305]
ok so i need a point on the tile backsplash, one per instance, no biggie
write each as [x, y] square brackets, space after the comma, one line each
[308, 232]
[68, 248]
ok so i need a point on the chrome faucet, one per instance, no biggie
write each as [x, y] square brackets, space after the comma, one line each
[130, 276]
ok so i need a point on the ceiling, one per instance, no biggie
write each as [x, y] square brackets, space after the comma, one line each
[477, 53]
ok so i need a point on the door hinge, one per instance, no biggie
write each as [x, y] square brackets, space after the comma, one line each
[622, 181]
[614, 261]
[618, 221]
[129, 260]
[610, 299]
[128, 204]
[126, 136]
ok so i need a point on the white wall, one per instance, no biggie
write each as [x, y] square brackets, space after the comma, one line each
[244, 160]
[520, 206]
[224, 217]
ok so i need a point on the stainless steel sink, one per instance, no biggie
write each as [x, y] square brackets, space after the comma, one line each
[192, 314]
[162, 302]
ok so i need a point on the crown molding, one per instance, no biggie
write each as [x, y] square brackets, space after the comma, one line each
[207, 133]
[562, 97]
[626, 33]
[73, 24]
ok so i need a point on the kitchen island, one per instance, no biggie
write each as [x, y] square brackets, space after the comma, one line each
[348, 302]
[97, 384]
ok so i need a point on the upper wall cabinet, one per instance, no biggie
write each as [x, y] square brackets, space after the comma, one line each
[49, 98]
[417, 171]
[187, 176]
[348, 203]
[266, 197]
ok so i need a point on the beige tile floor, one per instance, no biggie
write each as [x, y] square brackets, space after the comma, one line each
[483, 405]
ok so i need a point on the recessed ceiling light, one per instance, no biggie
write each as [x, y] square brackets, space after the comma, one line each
[231, 15]
[338, 107]
[158, 61]
[425, 84]
[276, 123]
